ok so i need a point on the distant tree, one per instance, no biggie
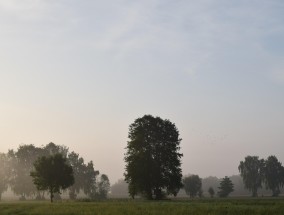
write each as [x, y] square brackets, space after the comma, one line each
[211, 192]
[103, 187]
[252, 173]
[52, 173]
[90, 181]
[79, 171]
[152, 159]
[210, 181]
[200, 193]
[273, 172]
[119, 189]
[226, 187]
[192, 185]
[21, 163]
[4, 173]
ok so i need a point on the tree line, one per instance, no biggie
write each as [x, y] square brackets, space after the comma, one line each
[23, 172]
[153, 165]
[255, 173]
[153, 168]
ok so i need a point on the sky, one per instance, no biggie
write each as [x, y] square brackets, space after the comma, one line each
[78, 73]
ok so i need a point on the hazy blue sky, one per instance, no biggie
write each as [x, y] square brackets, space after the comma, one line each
[78, 73]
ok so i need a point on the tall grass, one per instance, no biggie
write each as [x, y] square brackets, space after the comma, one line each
[179, 207]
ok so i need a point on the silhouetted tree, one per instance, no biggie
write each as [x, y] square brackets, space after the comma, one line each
[103, 187]
[79, 170]
[52, 173]
[21, 165]
[273, 172]
[52, 149]
[90, 180]
[211, 192]
[226, 187]
[252, 173]
[192, 185]
[153, 158]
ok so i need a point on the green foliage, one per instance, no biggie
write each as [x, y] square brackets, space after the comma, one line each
[192, 185]
[153, 158]
[52, 173]
[226, 187]
[252, 172]
[273, 172]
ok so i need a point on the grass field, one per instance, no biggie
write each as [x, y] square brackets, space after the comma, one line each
[124, 207]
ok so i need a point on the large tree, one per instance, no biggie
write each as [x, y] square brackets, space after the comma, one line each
[252, 172]
[153, 158]
[273, 172]
[52, 173]
[192, 185]
[226, 187]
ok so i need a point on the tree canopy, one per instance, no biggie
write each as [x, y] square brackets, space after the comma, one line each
[153, 158]
[226, 187]
[252, 173]
[18, 164]
[52, 173]
[273, 175]
[192, 185]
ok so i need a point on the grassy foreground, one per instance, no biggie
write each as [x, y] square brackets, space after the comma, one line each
[122, 207]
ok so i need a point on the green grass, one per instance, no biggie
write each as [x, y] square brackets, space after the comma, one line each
[122, 207]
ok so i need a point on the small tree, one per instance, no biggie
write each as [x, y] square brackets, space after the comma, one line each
[226, 187]
[52, 173]
[211, 192]
[192, 185]
[103, 187]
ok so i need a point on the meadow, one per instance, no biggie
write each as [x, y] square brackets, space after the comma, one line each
[216, 206]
